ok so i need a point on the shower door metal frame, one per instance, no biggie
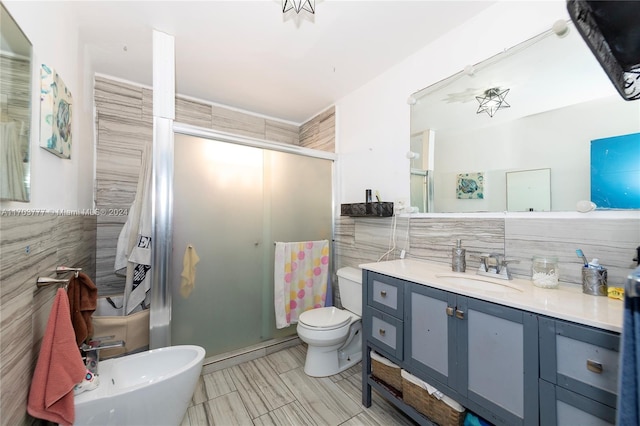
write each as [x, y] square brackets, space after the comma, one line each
[163, 293]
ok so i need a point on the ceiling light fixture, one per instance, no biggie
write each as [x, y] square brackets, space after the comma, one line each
[492, 101]
[299, 5]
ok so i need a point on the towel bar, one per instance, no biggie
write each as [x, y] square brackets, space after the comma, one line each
[45, 281]
[63, 269]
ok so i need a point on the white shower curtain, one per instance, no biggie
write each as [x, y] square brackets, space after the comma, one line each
[134, 243]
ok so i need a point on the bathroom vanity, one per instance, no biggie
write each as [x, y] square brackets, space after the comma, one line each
[510, 352]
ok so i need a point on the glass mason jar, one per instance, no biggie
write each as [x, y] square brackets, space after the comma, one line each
[544, 271]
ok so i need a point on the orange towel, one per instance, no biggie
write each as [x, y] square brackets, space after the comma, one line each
[83, 299]
[58, 369]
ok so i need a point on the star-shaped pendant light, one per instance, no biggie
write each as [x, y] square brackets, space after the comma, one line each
[492, 101]
[299, 5]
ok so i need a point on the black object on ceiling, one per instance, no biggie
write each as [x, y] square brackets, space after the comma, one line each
[611, 29]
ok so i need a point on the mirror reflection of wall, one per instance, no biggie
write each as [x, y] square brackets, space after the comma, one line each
[15, 110]
[560, 100]
[529, 191]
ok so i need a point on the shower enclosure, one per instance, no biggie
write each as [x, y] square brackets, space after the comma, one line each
[231, 202]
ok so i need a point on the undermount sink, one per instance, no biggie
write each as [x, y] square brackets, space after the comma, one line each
[477, 283]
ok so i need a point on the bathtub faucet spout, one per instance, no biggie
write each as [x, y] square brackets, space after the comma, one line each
[92, 350]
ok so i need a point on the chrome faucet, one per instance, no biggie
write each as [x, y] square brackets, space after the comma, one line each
[92, 350]
[495, 265]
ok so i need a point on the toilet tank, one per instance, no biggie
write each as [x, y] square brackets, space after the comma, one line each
[350, 287]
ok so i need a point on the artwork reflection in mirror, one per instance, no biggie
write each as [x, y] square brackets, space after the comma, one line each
[560, 100]
[15, 110]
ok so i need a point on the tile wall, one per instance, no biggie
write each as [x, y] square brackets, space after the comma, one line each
[33, 246]
[612, 238]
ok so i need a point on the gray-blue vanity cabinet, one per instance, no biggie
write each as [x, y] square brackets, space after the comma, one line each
[578, 373]
[482, 354]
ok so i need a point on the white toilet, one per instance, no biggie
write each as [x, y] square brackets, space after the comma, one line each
[333, 336]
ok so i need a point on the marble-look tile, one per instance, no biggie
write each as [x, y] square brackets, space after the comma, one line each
[218, 383]
[200, 393]
[117, 99]
[285, 360]
[193, 112]
[259, 387]
[433, 238]
[612, 241]
[32, 246]
[278, 131]
[227, 410]
[321, 398]
[290, 414]
[14, 83]
[355, 370]
[308, 133]
[237, 122]
[196, 415]
[319, 132]
[327, 131]
[147, 105]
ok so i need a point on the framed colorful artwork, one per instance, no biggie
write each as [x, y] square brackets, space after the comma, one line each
[470, 185]
[55, 113]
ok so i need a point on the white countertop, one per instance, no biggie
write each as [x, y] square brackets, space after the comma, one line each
[566, 302]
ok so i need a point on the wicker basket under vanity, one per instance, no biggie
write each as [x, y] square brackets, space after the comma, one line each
[386, 371]
[415, 394]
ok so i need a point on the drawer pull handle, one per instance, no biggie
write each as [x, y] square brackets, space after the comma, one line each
[383, 293]
[459, 314]
[382, 331]
[594, 366]
[449, 311]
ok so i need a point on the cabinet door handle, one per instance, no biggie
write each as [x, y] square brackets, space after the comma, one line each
[459, 314]
[449, 311]
[383, 293]
[594, 366]
[382, 331]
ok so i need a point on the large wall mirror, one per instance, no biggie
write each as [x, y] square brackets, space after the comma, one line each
[559, 101]
[15, 109]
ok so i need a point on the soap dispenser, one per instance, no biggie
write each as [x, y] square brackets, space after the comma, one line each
[458, 258]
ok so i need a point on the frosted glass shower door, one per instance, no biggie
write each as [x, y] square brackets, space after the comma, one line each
[218, 208]
[232, 202]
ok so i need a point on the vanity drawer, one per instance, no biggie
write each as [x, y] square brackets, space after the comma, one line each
[384, 332]
[580, 358]
[385, 294]
[562, 407]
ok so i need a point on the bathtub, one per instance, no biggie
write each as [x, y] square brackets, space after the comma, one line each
[147, 388]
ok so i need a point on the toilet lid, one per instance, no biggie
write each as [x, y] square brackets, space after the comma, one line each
[328, 318]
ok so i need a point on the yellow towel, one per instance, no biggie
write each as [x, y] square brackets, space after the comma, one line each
[188, 271]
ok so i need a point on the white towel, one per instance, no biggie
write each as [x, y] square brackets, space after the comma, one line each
[301, 270]
[134, 242]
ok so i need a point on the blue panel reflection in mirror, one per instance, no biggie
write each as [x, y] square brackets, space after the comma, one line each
[615, 172]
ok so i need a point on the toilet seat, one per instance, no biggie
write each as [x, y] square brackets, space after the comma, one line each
[328, 318]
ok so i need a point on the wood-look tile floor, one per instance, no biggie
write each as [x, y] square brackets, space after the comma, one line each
[275, 391]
